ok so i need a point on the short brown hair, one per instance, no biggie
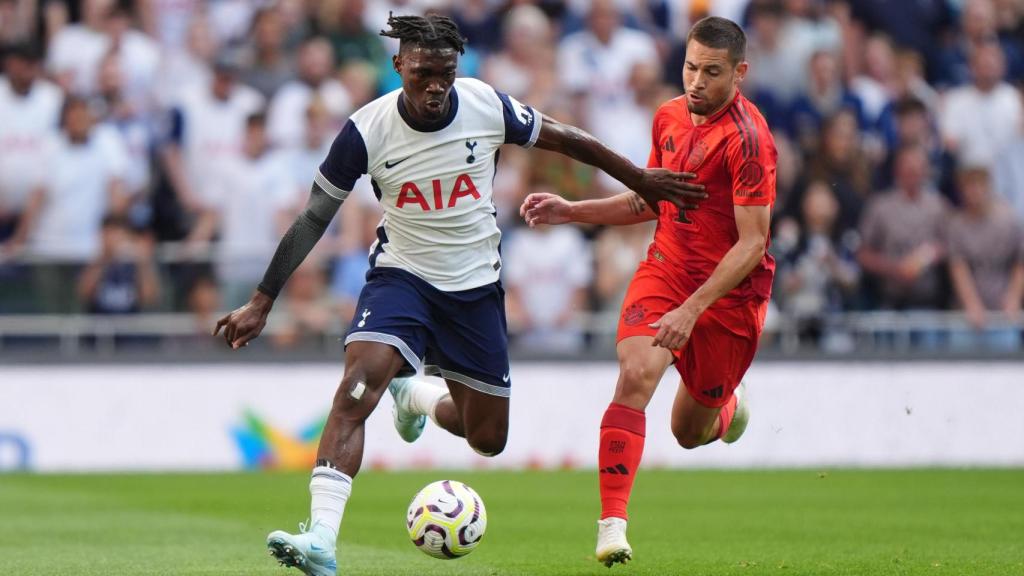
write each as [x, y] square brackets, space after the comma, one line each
[718, 33]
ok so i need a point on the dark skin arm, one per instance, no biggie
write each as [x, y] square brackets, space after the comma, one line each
[652, 184]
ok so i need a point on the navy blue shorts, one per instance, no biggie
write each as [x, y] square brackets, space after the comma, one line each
[458, 336]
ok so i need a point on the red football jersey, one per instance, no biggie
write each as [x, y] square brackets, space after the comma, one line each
[733, 155]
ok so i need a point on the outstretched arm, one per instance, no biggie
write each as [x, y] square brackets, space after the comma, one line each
[652, 184]
[621, 209]
[248, 321]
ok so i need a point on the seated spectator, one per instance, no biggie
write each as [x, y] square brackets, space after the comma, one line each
[877, 86]
[29, 116]
[122, 279]
[17, 23]
[981, 119]
[618, 251]
[85, 180]
[138, 57]
[902, 239]
[305, 159]
[206, 131]
[248, 206]
[912, 125]
[818, 273]
[826, 96]
[288, 107]
[306, 311]
[358, 221]
[203, 302]
[183, 69]
[986, 263]
[525, 67]
[919, 26]
[350, 38]
[548, 270]
[1008, 175]
[267, 65]
[978, 26]
[135, 127]
[596, 69]
[776, 76]
[839, 161]
[74, 50]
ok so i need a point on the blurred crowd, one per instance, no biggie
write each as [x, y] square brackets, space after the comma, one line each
[152, 152]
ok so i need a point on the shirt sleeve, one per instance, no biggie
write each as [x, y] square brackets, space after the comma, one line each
[953, 242]
[522, 123]
[345, 163]
[872, 231]
[750, 160]
[175, 128]
[1018, 243]
[654, 161]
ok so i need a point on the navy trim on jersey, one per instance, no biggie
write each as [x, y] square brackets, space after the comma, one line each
[347, 160]
[522, 124]
[382, 239]
[176, 126]
[418, 126]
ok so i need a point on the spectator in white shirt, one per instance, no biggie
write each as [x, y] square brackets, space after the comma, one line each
[29, 116]
[249, 202]
[980, 120]
[206, 130]
[138, 56]
[288, 107]
[84, 181]
[596, 66]
[182, 70]
[547, 272]
[75, 50]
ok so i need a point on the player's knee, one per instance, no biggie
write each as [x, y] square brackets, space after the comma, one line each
[634, 373]
[688, 438]
[355, 398]
[636, 385]
[490, 442]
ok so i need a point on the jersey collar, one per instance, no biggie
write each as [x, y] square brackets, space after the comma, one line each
[423, 127]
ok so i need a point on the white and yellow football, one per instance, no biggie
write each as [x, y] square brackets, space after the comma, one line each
[446, 519]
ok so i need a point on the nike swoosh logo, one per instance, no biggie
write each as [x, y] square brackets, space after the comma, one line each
[504, 378]
[315, 548]
[389, 164]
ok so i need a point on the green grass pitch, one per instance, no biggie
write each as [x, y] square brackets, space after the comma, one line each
[708, 523]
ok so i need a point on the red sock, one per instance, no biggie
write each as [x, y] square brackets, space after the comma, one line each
[725, 416]
[622, 445]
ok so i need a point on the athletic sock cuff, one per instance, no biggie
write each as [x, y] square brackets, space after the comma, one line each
[329, 473]
[625, 418]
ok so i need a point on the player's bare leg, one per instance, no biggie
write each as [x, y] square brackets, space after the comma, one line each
[369, 366]
[623, 428]
[417, 399]
[462, 411]
[481, 418]
[694, 424]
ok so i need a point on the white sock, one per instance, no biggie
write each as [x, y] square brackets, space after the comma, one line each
[329, 490]
[425, 397]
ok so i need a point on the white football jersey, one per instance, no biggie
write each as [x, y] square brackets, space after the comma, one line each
[434, 184]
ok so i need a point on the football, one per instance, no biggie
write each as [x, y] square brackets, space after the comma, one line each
[446, 519]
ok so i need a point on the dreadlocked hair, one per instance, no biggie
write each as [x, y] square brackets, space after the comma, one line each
[429, 31]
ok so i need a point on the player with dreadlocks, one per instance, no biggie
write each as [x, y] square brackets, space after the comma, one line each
[433, 298]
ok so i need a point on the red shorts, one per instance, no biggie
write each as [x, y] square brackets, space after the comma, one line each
[722, 344]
